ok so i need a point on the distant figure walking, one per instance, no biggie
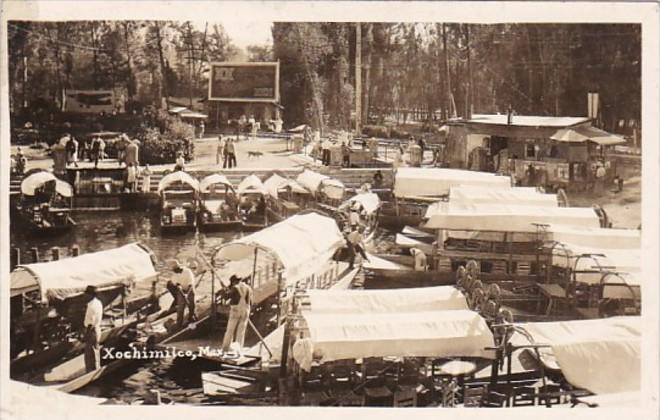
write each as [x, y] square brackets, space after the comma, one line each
[201, 129]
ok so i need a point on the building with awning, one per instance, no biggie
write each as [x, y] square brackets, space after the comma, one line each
[560, 151]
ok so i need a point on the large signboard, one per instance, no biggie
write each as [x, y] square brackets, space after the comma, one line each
[244, 82]
[89, 101]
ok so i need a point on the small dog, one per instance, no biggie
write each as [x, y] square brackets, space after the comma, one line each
[255, 154]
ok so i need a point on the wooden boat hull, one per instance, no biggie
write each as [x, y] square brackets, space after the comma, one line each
[172, 228]
[206, 226]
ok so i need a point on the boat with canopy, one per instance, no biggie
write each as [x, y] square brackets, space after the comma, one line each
[48, 302]
[45, 203]
[252, 202]
[218, 203]
[179, 194]
[286, 196]
[416, 188]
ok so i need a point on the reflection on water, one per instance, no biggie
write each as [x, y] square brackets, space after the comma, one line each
[99, 231]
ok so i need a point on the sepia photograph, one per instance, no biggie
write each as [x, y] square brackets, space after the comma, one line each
[324, 213]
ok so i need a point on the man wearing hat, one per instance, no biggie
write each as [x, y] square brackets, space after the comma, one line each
[184, 279]
[240, 301]
[92, 325]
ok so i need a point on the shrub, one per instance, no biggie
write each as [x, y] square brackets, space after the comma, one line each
[160, 144]
[397, 133]
[379, 131]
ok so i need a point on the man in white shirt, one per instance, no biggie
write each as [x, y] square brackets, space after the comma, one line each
[419, 259]
[92, 325]
[355, 245]
[184, 279]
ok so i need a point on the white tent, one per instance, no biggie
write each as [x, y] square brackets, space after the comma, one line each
[600, 355]
[316, 182]
[301, 243]
[436, 182]
[251, 184]
[505, 217]
[522, 196]
[337, 336]
[277, 183]
[38, 179]
[386, 301]
[370, 202]
[311, 180]
[214, 179]
[69, 276]
[178, 177]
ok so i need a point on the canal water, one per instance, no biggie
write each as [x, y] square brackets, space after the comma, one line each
[178, 380]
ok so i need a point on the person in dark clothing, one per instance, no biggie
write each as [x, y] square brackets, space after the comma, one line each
[378, 179]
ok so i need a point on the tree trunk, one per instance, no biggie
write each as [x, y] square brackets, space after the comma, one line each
[163, 70]
[366, 87]
[95, 62]
[130, 87]
[312, 77]
[447, 80]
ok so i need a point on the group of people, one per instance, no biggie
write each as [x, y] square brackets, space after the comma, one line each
[226, 152]
[182, 285]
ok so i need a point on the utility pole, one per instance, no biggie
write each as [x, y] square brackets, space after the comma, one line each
[358, 78]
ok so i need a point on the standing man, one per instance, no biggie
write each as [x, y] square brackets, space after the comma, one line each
[146, 179]
[252, 123]
[220, 151]
[230, 154]
[185, 280]
[240, 301]
[325, 151]
[92, 325]
[355, 246]
[201, 129]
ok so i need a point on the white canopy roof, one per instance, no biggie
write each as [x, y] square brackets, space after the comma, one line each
[69, 276]
[505, 217]
[584, 133]
[600, 355]
[251, 184]
[38, 179]
[436, 182]
[386, 301]
[336, 336]
[522, 196]
[311, 180]
[178, 176]
[276, 183]
[582, 236]
[214, 179]
[302, 243]
[369, 201]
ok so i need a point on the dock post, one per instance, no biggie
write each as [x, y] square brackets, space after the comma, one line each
[15, 258]
[34, 253]
[75, 250]
[55, 252]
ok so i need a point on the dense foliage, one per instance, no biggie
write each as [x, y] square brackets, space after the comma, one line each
[411, 70]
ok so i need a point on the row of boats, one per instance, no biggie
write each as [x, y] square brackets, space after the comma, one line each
[503, 322]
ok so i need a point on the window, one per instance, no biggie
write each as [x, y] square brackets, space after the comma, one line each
[530, 151]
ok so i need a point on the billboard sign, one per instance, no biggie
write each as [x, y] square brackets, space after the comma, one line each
[89, 101]
[244, 82]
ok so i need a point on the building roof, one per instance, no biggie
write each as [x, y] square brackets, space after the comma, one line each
[527, 120]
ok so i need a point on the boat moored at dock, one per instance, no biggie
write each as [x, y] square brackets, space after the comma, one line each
[179, 194]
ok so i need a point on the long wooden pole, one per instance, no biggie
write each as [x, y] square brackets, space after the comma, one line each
[358, 78]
